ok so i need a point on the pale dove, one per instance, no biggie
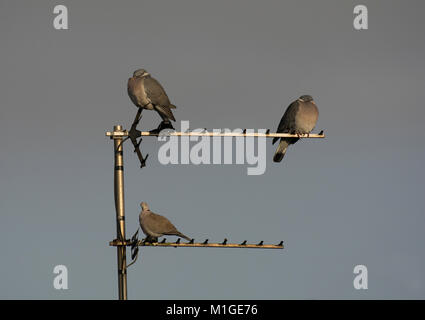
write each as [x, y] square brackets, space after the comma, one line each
[155, 225]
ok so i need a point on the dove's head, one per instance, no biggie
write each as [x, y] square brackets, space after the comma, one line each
[144, 206]
[141, 73]
[306, 98]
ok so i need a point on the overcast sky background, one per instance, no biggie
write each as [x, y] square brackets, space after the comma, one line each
[356, 197]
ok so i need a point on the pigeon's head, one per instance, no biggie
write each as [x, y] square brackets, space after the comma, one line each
[140, 73]
[144, 206]
[306, 98]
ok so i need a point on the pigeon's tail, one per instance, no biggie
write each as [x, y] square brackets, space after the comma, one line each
[281, 150]
[165, 113]
[181, 235]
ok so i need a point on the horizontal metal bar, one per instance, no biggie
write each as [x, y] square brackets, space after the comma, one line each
[116, 134]
[219, 134]
[196, 245]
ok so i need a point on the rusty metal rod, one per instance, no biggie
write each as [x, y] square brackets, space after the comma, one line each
[196, 245]
[224, 134]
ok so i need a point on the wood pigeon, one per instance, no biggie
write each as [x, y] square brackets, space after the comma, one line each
[147, 93]
[299, 118]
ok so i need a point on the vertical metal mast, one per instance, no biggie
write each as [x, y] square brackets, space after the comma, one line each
[120, 213]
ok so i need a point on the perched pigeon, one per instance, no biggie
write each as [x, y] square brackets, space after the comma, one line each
[147, 93]
[154, 225]
[299, 118]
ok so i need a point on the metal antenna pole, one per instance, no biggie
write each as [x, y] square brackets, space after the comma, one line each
[120, 213]
[119, 136]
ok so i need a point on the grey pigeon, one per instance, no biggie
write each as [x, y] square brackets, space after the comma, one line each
[155, 225]
[147, 93]
[299, 118]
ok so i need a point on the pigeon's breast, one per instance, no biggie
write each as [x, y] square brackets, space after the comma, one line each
[136, 92]
[306, 118]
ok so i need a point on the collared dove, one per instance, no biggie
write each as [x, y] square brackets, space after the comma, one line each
[155, 225]
[147, 93]
[299, 118]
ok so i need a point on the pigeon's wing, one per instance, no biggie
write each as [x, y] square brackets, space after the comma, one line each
[287, 123]
[160, 224]
[165, 112]
[156, 92]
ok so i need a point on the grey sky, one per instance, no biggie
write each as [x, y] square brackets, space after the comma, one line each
[355, 198]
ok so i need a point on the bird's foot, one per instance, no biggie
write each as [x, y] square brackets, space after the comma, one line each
[150, 239]
[163, 125]
[299, 134]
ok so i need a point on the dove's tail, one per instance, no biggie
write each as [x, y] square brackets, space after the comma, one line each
[281, 150]
[181, 235]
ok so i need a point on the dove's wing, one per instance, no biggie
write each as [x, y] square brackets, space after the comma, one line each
[160, 224]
